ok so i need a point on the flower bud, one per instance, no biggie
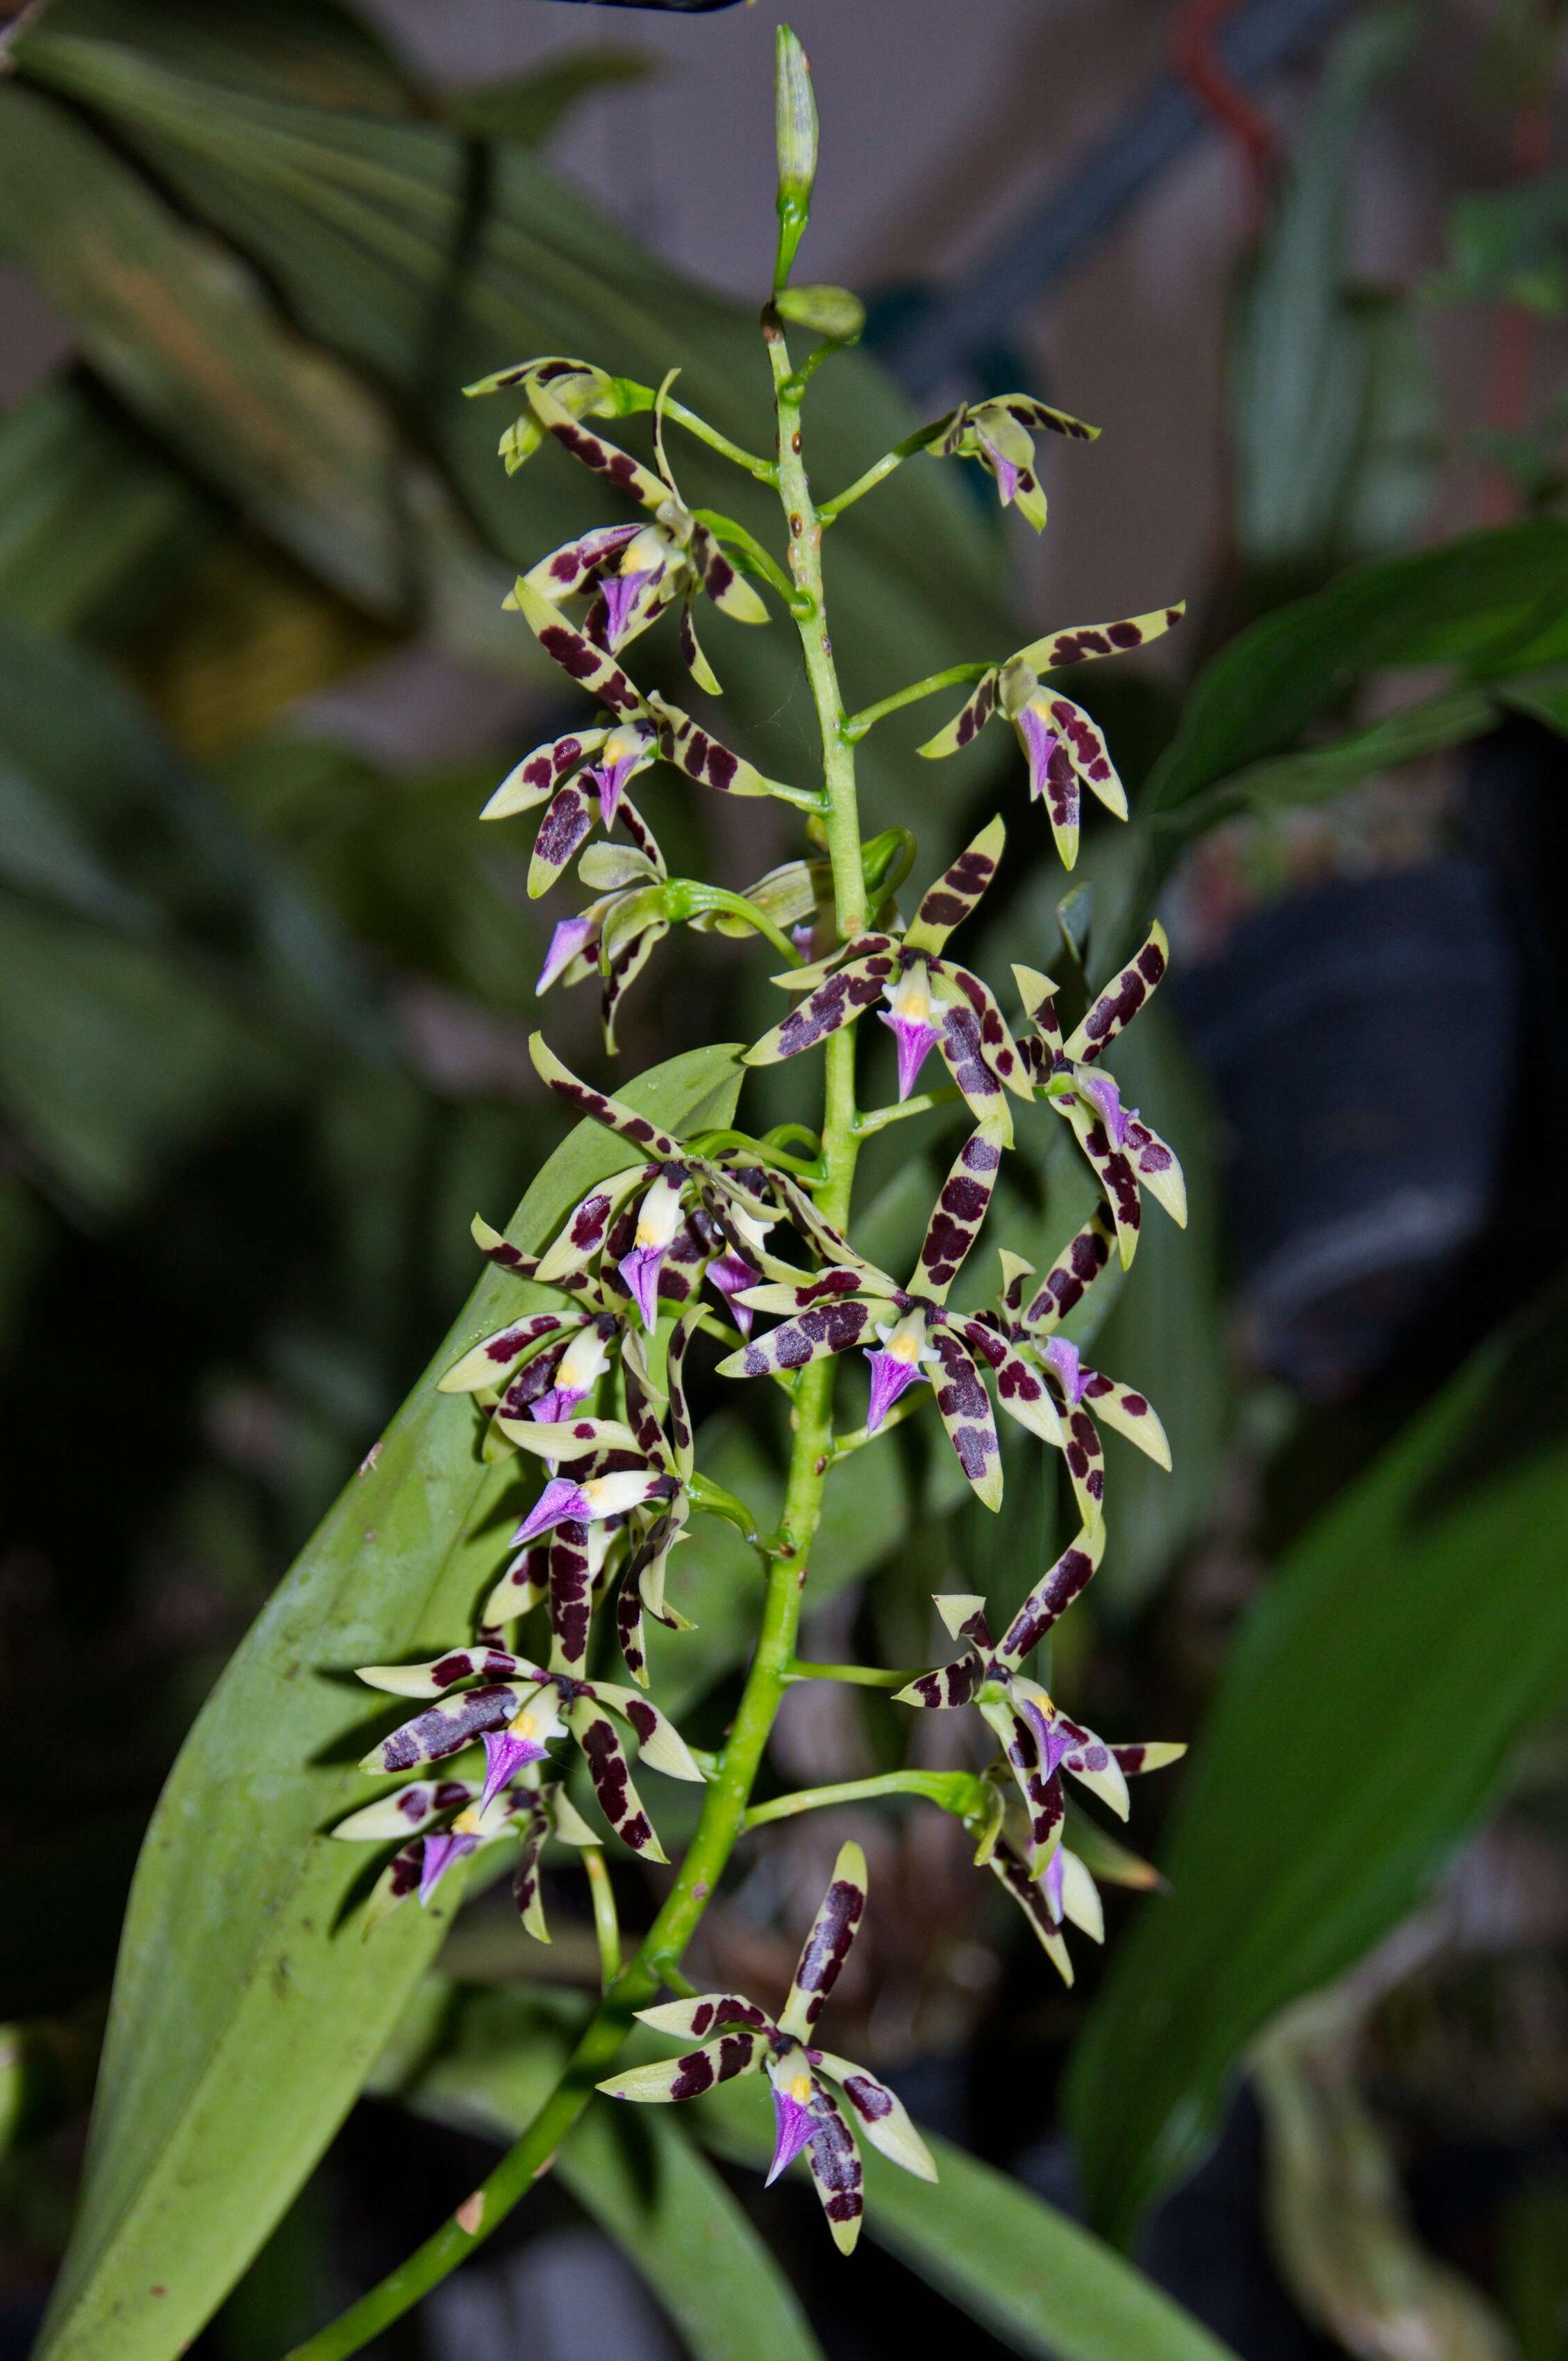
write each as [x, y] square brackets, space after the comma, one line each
[829, 311]
[795, 133]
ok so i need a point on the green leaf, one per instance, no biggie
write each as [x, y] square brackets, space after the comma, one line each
[528, 109]
[1330, 1785]
[247, 2010]
[186, 337]
[1034, 2278]
[1493, 602]
[1320, 773]
[1325, 398]
[486, 2060]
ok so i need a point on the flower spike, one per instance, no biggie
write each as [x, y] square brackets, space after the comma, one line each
[807, 2116]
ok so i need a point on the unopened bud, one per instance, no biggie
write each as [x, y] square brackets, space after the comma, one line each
[830, 312]
[795, 133]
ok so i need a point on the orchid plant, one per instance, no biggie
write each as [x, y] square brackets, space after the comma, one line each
[697, 1241]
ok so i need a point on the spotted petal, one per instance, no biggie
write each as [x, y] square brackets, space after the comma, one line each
[959, 1040]
[701, 757]
[1070, 1276]
[960, 1211]
[445, 1729]
[688, 2077]
[623, 968]
[1085, 1464]
[964, 1407]
[848, 991]
[443, 1673]
[832, 1328]
[569, 1438]
[616, 1116]
[967, 722]
[693, 2020]
[1114, 1008]
[490, 1362]
[578, 564]
[1038, 993]
[1026, 1892]
[882, 2114]
[827, 1946]
[1083, 641]
[1035, 1775]
[835, 2165]
[964, 1617]
[806, 979]
[535, 779]
[611, 1776]
[407, 1812]
[1112, 1170]
[523, 1586]
[1053, 1595]
[1129, 1413]
[948, 1685]
[525, 1891]
[1021, 1389]
[618, 467]
[659, 1744]
[591, 667]
[957, 892]
[1157, 1169]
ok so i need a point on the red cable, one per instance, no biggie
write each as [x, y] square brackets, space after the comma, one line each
[1215, 87]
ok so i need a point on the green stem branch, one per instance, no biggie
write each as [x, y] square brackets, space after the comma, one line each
[958, 676]
[764, 470]
[953, 1790]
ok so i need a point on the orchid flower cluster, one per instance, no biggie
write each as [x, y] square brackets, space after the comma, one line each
[740, 1241]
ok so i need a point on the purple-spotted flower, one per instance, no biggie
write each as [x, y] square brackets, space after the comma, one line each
[615, 936]
[1064, 1893]
[645, 1225]
[1064, 749]
[1124, 1151]
[1028, 1317]
[931, 1002]
[915, 1336]
[1038, 1739]
[807, 2113]
[582, 778]
[1000, 432]
[517, 1708]
[630, 573]
[441, 1821]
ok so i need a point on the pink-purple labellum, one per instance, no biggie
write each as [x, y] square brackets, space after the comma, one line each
[890, 1378]
[1006, 473]
[795, 2124]
[1106, 1100]
[1053, 1741]
[1062, 1358]
[560, 1500]
[504, 1755]
[916, 1043]
[553, 1409]
[732, 1274]
[1051, 1885]
[440, 1852]
[567, 940]
[620, 592]
[640, 1270]
[1040, 742]
[610, 779]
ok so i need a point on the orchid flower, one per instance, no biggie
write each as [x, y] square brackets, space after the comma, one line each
[1000, 432]
[441, 1821]
[1065, 1892]
[517, 1708]
[1064, 749]
[931, 1002]
[1037, 1738]
[807, 2113]
[915, 1335]
[636, 731]
[631, 572]
[1124, 1151]
[576, 387]
[1082, 1393]
[642, 1222]
[615, 935]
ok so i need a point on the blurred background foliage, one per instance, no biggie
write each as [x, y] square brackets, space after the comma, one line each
[262, 1054]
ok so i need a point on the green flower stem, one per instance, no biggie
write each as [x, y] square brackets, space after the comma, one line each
[607, 1919]
[858, 1438]
[953, 1790]
[832, 510]
[735, 905]
[877, 1119]
[961, 676]
[864, 1677]
[764, 470]
[727, 1794]
[758, 560]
